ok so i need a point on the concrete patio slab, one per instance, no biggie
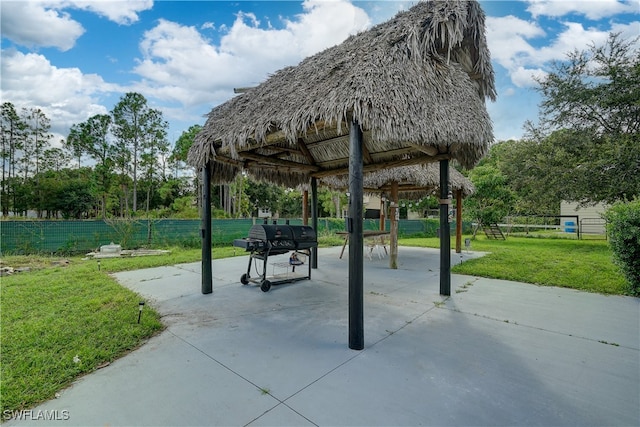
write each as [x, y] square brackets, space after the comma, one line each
[494, 353]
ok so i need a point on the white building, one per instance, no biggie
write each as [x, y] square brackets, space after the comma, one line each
[590, 218]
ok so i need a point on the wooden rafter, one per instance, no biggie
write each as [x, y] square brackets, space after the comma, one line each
[277, 161]
[305, 151]
[376, 167]
[366, 154]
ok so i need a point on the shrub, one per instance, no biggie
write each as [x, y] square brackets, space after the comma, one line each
[623, 226]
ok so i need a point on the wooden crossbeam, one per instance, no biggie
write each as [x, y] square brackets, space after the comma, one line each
[376, 167]
[277, 161]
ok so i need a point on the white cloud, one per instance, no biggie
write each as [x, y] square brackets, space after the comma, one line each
[526, 77]
[524, 49]
[574, 36]
[123, 12]
[45, 24]
[508, 39]
[592, 9]
[325, 24]
[31, 24]
[179, 64]
[65, 95]
[380, 11]
[628, 31]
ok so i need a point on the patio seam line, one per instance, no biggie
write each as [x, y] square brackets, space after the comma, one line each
[360, 352]
[279, 402]
[208, 356]
[514, 323]
[284, 401]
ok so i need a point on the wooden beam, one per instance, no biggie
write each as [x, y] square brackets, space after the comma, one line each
[426, 149]
[205, 231]
[406, 187]
[280, 149]
[394, 216]
[338, 163]
[445, 243]
[276, 161]
[458, 221]
[305, 151]
[228, 160]
[366, 155]
[355, 229]
[314, 219]
[379, 166]
[305, 207]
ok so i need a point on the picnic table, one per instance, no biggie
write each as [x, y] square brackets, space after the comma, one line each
[375, 236]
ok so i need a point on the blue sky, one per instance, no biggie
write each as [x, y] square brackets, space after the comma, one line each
[74, 59]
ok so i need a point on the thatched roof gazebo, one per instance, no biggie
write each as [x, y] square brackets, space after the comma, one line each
[408, 91]
[409, 182]
[413, 181]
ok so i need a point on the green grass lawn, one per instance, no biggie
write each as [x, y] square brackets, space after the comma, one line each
[61, 322]
[569, 263]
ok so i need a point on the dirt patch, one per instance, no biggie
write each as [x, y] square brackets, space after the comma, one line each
[24, 264]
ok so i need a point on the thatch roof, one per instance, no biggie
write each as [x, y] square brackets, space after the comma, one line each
[413, 181]
[416, 84]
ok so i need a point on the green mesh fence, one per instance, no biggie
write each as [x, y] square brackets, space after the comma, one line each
[25, 237]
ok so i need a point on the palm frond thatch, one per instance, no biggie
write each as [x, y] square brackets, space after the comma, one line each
[416, 84]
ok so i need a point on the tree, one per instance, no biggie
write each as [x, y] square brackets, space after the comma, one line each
[493, 199]
[54, 159]
[525, 170]
[13, 136]
[179, 159]
[38, 135]
[182, 146]
[134, 125]
[92, 137]
[291, 206]
[155, 146]
[590, 118]
[261, 195]
[75, 143]
[330, 202]
[38, 126]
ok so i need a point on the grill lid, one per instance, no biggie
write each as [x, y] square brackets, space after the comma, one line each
[303, 233]
[271, 232]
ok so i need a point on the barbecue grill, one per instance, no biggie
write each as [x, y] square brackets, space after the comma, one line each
[267, 240]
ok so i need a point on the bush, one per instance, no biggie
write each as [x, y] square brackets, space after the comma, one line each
[623, 226]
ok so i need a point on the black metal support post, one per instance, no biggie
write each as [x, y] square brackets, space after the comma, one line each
[205, 230]
[445, 239]
[314, 219]
[355, 229]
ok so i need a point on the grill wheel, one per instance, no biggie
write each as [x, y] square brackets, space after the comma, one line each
[265, 286]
